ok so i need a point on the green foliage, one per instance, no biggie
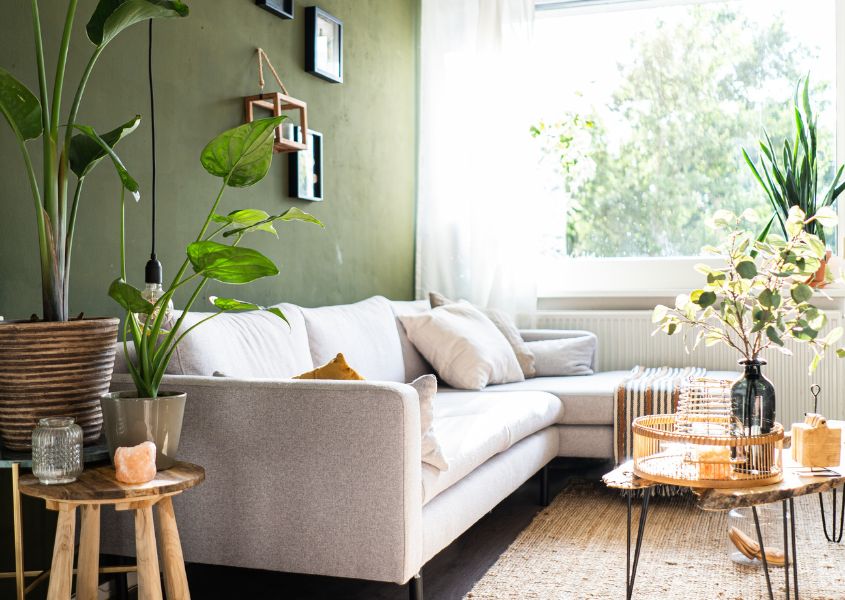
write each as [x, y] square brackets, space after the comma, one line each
[129, 297]
[32, 118]
[689, 93]
[113, 16]
[246, 155]
[20, 107]
[105, 147]
[793, 180]
[747, 308]
[86, 151]
[229, 264]
[240, 155]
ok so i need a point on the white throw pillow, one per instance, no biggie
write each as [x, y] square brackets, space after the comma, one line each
[432, 454]
[504, 323]
[463, 346]
[568, 356]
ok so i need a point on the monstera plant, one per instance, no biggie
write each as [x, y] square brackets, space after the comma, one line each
[75, 355]
[240, 157]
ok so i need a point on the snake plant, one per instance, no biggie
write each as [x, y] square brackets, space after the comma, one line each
[790, 177]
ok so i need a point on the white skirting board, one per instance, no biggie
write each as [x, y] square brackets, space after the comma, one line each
[625, 340]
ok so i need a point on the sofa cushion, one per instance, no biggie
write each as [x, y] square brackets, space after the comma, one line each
[337, 369]
[473, 426]
[504, 323]
[463, 345]
[366, 334]
[415, 364]
[250, 344]
[585, 400]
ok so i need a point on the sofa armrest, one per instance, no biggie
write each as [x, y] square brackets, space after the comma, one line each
[319, 477]
[538, 335]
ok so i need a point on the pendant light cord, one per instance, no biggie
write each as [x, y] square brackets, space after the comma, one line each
[153, 142]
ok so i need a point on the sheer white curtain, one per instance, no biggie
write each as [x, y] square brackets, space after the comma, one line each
[476, 183]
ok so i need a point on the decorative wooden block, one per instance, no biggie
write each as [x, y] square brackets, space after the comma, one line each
[277, 103]
[814, 444]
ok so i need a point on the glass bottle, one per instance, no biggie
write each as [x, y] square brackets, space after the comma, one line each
[57, 450]
[753, 400]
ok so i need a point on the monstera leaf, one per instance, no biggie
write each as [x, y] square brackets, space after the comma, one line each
[229, 264]
[227, 304]
[242, 155]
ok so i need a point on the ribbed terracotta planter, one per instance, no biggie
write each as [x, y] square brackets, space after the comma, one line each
[54, 369]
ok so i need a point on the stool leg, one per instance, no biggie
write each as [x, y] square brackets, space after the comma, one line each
[87, 578]
[149, 582]
[175, 579]
[61, 572]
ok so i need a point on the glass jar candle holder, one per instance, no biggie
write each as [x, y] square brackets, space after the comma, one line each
[57, 450]
[771, 526]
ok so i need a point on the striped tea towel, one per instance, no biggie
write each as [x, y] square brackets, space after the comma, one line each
[646, 391]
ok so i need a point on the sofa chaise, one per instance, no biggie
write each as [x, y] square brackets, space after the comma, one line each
[325, 477]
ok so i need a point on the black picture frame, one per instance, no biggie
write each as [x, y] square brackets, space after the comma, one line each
[315, 19]
[298, 164]
[280, 8]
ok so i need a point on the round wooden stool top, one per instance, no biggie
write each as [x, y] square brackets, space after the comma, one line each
[98, 486]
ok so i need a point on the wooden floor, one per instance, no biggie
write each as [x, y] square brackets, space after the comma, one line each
[448, 576]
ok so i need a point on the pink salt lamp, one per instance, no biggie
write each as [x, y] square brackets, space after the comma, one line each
[136, 464]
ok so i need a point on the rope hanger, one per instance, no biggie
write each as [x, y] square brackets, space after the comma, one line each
[262, 58]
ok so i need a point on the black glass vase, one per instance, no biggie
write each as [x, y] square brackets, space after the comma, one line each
[753, 401]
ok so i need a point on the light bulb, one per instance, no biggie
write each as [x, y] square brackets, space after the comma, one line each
[152, 293]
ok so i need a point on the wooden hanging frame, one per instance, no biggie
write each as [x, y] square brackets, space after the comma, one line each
[276, 103]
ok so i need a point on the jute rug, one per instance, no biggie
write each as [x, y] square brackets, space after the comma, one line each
[575, 549]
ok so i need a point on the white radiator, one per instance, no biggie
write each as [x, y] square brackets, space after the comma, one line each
[625, 340]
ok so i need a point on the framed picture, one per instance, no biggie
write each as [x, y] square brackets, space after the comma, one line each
[323, 44]
[280, 8]
[305, 168]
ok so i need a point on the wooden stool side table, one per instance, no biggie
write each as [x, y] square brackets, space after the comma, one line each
[95, 488]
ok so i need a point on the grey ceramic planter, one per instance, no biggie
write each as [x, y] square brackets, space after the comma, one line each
[129, 421]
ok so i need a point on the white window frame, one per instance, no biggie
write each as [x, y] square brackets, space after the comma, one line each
[630, 282]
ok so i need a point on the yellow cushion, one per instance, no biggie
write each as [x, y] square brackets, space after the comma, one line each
[334, 369]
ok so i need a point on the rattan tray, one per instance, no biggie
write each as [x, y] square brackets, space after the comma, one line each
[665, 455]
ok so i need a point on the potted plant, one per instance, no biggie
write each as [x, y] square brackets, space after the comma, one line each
[60, 365]
[240, 157]
[791, 178]
[755, 302]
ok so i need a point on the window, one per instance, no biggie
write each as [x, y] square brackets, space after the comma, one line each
[642, 110]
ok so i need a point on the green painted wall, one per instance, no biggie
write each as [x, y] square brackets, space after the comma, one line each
[203, 66]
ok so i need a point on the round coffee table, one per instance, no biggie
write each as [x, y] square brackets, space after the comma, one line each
[97, 487]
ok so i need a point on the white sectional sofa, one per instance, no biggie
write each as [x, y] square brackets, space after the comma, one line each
[325, 477]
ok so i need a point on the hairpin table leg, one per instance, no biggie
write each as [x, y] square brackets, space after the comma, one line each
[835, 535]
[762, 552]
[794, 549]
[631, 569]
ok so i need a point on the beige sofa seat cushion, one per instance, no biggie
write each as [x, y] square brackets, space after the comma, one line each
[585, 400]
[473, 426]
[249, 344]
[366, 334]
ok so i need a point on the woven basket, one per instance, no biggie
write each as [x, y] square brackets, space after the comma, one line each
[51, 369]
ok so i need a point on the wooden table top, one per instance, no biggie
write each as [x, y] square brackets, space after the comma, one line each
[797, 481]
[98, 485]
